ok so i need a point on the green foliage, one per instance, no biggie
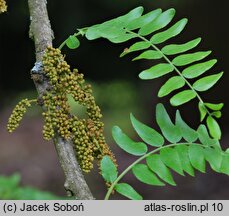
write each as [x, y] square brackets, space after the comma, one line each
[127, 144]
[72, 42]
[148, 135]
[180, 155]
[135, 24]
[109, 170]
[127, 191]
[11, 190]
[145, 175]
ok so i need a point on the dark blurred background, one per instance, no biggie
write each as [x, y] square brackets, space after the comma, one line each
[116, 86]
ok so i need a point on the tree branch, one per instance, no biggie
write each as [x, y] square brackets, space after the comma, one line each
[41, 33]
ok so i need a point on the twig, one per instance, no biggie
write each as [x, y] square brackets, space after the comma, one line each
[41, 33]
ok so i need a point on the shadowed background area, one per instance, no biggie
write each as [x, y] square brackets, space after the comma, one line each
[116, 86]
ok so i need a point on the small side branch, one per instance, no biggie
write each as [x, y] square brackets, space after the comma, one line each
[41, 33]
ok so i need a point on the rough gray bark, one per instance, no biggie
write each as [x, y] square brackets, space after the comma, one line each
[41, 33]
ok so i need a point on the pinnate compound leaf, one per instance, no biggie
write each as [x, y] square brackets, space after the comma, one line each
[170, 158]
[145, 175]
[147, 134]
[207, 82]
[143, 20]
[127, 144]
[186, 59]
[180, 48]
[160, 22]
[214, 158]
[136, 47]
[188, 133]
[198, 69]
[72, 42]
[169, 33]
[203, 111]
[172, 84]
[197, 159]
[182, 97]
[156, 71]
[214, 107]
[182, 151]
[214, 128]
[149, 54]
[109, 170]
[224, 165]
[128, 191]
[155, 163]
[170, 131]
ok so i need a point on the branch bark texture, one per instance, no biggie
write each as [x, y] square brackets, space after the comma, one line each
[41, 33]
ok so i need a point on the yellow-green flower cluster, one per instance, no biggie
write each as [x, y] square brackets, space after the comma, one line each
[3, 6]
[18, 114]
[86, 134]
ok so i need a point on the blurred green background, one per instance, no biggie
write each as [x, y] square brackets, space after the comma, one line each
[116, 87]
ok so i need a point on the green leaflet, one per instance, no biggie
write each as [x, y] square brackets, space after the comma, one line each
[217, 114]
[214, 157]
[172, 84]
[186, 59]
[143, 20]
[130, 16]
[180, 48]
[171, 32]
[214, 128]
[182, 151]
[215, 107]
[128, 145]
[207, 82]
[171, 158]
[72, 42]
[121, 38]
[182, 97]
[198, 69]
[203, 111]
[188, 133]
[108, 169]
[170, 131]
[196, 156]
[156, 71]
[160, 22]
[107, 30]
[149, 54]
[224, 165]
[155, 163]
[136, 47]
[205, 138]
[145, 175]
[147, 134]
[128, 191]
[113, 28]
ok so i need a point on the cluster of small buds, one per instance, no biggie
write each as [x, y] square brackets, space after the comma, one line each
[87, 134]
[18, 114]
[3, 6]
